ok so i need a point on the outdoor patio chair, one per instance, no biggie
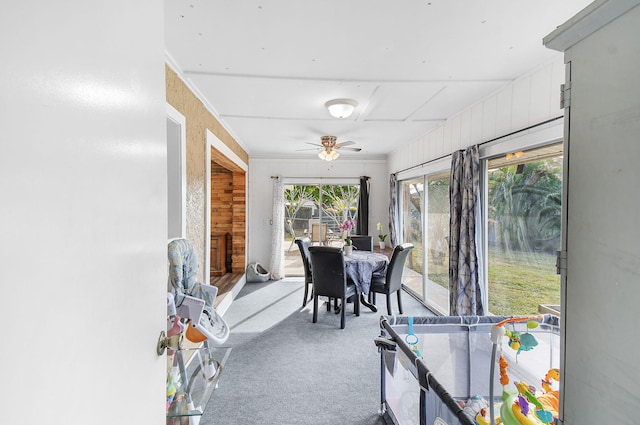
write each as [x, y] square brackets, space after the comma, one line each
[319, 233]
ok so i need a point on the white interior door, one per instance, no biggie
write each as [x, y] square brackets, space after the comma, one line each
[83, 219]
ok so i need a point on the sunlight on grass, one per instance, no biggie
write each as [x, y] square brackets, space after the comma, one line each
[518, 282]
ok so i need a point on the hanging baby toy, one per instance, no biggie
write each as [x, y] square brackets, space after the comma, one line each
[412, 339]
[521, 406]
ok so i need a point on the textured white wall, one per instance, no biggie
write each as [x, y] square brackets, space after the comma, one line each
[83, 213]
[260, 193]
[529, 100]
[603, 260]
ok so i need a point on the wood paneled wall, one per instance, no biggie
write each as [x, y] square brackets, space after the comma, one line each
[228, 211]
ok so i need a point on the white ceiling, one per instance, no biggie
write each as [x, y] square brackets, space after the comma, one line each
[267, 67]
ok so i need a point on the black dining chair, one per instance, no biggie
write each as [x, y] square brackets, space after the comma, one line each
[330, 280]
[362, 242]
[303, 246]
[392, 281]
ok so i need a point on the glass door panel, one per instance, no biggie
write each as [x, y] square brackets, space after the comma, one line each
[524, 212]
[412, 198]
[438, 212]
[315, 211]
[300, 208]
[339, 203]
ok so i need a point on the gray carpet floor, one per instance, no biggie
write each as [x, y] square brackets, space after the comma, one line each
[284, 369]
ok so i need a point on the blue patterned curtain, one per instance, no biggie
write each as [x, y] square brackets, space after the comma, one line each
[465, 289]
[393, 210]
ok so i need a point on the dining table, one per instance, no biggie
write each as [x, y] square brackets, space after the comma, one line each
[361, 267]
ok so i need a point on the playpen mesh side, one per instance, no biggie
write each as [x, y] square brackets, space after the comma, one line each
[455, 366]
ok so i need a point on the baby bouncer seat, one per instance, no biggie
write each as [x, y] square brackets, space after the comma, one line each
[193, 300]
[190, 304]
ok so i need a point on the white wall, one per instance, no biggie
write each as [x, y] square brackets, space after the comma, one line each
[529, 100]
[601, 370]
[260, 193]
[83, 213]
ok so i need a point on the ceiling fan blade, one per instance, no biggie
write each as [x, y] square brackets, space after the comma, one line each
[347, 143]
[351, 149]
[310, 149]
[314, 144]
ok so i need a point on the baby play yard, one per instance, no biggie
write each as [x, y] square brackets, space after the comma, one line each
[470, 370]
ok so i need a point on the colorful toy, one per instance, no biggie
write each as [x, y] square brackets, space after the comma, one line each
[521, 406]
[475, 405]
[551, 398]
[522, 342]
[481, 418]
[171, 390]
[504, 377]
[546, 382]
[412, 338]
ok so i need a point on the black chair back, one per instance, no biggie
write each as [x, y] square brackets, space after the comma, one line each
[329, 274]
[363, 242]
[330, 280]
[303, 246]
[396, 266]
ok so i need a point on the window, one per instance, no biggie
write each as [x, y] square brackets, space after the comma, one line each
[524, 201]
[427, 274]
[522, 227]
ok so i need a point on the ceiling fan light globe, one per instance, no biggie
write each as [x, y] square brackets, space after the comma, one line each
[334, 154]
[341, 108]
[322, 155]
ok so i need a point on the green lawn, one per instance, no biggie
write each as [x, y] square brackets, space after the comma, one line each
[518, 282]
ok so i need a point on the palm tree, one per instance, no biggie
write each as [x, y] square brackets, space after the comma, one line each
[525, 207]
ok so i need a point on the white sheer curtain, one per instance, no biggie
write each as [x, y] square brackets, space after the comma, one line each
[277, 230]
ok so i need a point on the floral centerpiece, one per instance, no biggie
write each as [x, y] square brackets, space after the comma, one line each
[381, 235]
[346, 231]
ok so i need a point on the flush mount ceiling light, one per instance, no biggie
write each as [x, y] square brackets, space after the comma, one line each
[341, 108]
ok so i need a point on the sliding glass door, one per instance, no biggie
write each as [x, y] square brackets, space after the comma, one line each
[425, 224]
[316, 211]
[412, 201]
[437, 242]
[523, 230]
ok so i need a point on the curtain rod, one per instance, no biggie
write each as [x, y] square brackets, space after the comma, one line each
[485, 142]
[321, 178]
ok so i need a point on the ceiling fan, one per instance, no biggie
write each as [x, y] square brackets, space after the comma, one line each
[328, 147]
